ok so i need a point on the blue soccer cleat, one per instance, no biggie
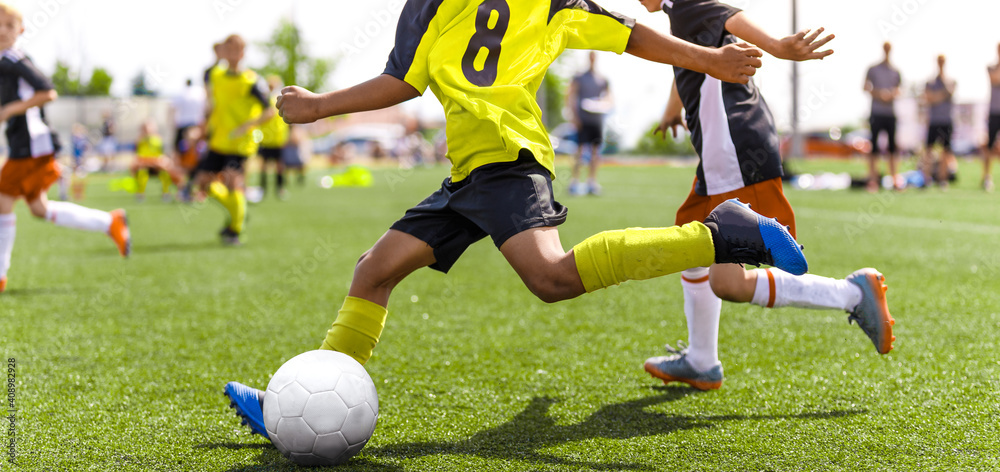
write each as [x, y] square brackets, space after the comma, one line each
[247, 402]
[742, 236]
[872, 314]
[676, 368]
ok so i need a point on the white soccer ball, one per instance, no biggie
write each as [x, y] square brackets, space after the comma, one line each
[320, 408]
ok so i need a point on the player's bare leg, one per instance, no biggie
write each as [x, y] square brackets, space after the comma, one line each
[873, 183]
[988, 155]
[544, 266]
[395, 256]
[8, 230]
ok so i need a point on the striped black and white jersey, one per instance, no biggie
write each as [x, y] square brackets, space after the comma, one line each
[28, 135]
[731, 127]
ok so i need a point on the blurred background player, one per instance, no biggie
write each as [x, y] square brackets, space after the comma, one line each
[590, 100]
[992, 145]
[734, 135]
[31, 168]
[238, 104]
[191, 148]
[882, 83]
[81, 146]
[107, 149]
[187, 111]
[939, 94]
[150, 159]
[274, 139]
[293, 152]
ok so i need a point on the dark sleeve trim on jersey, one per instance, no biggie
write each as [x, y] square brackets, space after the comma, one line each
[413, 23]
[259, 91]
[588, 6]
[38, 81]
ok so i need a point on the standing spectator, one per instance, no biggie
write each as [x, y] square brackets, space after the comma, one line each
[938, 94]
[108, 146]
[882, 83]
[589, 101]
[994, 124]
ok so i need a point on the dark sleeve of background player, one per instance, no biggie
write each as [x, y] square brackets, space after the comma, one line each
[259, 91]
[702, 22]
[26, 70]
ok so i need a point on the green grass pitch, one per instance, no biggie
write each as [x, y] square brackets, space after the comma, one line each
[120, 363]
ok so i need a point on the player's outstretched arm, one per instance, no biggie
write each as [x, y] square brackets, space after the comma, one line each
[797, 47]
[21, 107]
[732, 63]
[298, 105]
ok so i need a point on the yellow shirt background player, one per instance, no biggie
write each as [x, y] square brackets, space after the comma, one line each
[239, 105]
[236, 100]
[274, 132]
[149, 147]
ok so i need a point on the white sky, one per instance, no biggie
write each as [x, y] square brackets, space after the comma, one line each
[172, 39]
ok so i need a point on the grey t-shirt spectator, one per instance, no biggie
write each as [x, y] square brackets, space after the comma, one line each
[589, 86]
[939, 113]
[883, 76]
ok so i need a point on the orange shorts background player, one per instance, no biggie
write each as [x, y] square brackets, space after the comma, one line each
[31, 168]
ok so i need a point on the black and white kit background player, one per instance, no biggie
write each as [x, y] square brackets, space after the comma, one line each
[730, 124]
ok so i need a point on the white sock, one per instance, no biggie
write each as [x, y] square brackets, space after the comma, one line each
[71, 215]
[776, 288]
[8, 229]
[702, 310]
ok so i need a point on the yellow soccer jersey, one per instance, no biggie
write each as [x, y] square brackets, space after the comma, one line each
[149, 147]
[484, 60]
[236, 99]
[275, 130]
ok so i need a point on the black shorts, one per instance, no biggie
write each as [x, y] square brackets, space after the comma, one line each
[291, 158]
[939, 134]
[497, 200]
[994, 129]
[270, 153]
[216, 162]
[880, 123]
[590, 134]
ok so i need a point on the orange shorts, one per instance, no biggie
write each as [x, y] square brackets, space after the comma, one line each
[29, 178]
[766, 198]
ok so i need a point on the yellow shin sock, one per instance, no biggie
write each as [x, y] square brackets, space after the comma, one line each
[612, 257]
[165, 181]
[141, 179]
[238, 202]
[357, 329]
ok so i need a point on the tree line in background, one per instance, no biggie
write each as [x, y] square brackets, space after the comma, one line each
[286, 56]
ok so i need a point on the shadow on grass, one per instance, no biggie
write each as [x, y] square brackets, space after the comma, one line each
[520, 439]
[39, 291]
[533, 429]
[178, 247]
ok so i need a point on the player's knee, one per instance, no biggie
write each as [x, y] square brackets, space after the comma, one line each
[372, 274]
[550, 287]
[731, 289]
[38, 211]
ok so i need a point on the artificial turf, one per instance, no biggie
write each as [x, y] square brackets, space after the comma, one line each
[120, 363]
